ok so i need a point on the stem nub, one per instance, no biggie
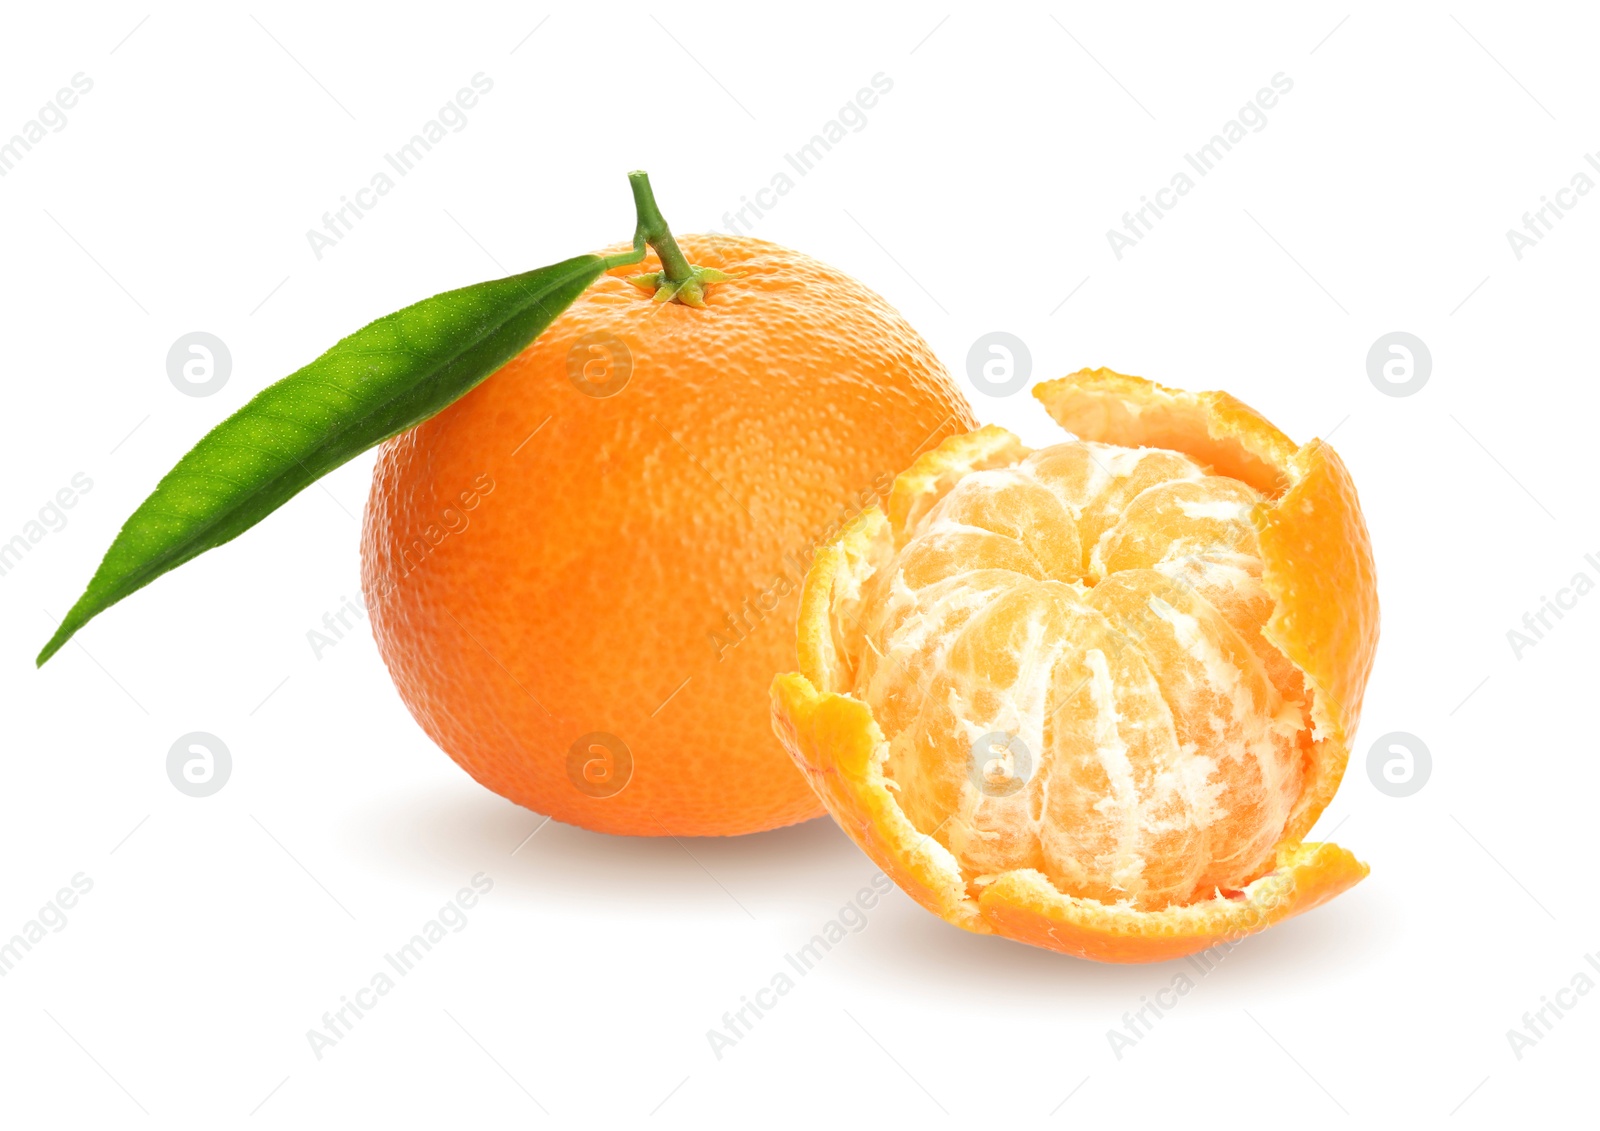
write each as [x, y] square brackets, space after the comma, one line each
[678, 278]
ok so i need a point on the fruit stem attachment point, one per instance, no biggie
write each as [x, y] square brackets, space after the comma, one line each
[678, 278]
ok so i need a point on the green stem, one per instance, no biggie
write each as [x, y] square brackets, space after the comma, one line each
[678, 280]
[652, 229]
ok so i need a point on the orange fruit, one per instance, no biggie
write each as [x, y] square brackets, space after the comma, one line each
[1092, 696]
[583, 574]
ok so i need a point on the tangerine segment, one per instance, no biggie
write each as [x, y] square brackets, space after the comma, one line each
[1085, 696]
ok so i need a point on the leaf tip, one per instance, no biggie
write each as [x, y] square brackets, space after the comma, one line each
[48, 650]
[64, 632]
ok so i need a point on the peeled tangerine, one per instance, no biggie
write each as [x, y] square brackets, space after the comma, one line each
[1090, 697]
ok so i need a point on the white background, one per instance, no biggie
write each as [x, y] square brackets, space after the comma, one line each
[977, 198]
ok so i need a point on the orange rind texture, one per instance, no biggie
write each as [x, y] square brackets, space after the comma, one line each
[1316, 565]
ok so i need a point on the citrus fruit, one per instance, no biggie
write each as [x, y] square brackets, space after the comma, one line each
[583, 574]
[1092, 696]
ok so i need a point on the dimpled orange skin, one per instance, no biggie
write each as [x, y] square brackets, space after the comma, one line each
[634, 566]
[1316, 566]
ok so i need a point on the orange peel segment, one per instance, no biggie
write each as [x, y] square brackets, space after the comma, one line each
[1026, 907]
[1316, 565]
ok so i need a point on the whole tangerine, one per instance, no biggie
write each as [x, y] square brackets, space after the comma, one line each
[583, 574]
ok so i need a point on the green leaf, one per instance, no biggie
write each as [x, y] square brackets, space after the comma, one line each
[385, 378]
